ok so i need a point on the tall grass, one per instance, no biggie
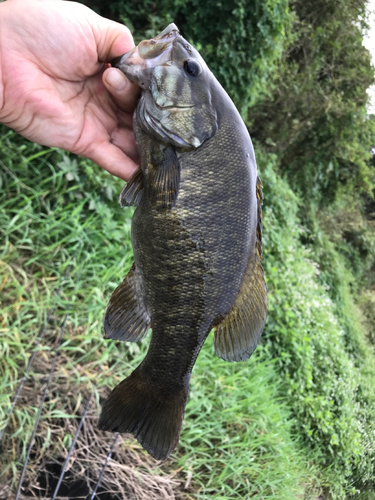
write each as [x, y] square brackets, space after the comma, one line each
[293, 420]
[320, 351]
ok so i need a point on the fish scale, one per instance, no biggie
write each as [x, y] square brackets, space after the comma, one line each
[196, 236]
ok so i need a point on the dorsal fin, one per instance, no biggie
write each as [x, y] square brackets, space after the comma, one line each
[238, 334]
[132, 193]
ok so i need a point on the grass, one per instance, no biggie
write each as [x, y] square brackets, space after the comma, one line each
[237, 438]
[294, 420]
[321, 353]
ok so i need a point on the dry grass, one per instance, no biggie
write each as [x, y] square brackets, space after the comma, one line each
[131, 473]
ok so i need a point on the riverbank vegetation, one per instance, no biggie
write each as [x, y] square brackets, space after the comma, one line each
[297, 419]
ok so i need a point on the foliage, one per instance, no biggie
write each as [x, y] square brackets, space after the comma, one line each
[300, 414]
[232, 444]
[237, 434]
[316, 119]
[241, 40]
[326, 367]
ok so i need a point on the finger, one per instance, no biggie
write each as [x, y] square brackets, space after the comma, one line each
[124, 92]
[112, 159]
[124, 139]
[125, 120]
[112, 39]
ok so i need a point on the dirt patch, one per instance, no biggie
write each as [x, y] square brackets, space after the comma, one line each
[131, 472]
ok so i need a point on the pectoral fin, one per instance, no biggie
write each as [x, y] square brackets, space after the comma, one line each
[166, 179]
[237, 336]
[126, 318]
[132, 193]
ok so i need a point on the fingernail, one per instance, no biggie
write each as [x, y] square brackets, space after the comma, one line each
[116, 79]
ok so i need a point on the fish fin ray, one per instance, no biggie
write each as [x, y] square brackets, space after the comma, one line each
[237, 336]
[132, 193]
[166, 179]
[126, 318]
[135, 406]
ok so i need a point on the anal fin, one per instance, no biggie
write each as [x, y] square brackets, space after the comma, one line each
[237, 336]
[132, 193]
[126, 318]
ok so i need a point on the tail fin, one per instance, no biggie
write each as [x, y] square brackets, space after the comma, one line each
[154, 418]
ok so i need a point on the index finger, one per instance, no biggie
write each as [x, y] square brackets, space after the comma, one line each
[112, 39]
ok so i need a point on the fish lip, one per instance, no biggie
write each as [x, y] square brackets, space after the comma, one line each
[116, 60]
[167, 31]
[130, 70]
[148, 54]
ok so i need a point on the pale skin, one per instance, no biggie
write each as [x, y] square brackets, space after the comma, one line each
[57, 87]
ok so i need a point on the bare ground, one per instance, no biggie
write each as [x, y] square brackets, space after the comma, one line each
[130, 474]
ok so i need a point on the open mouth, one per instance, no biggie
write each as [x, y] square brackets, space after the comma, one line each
[149, 53]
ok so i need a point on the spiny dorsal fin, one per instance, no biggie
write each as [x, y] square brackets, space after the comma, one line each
[126, 318]
[165, 179]
[132, 193]
[238, 334]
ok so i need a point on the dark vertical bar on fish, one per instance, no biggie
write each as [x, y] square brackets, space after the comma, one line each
[72, 447]
[32, 357]
[104, 467]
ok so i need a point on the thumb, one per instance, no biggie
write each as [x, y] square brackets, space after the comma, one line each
[124, 92]
[112, 39]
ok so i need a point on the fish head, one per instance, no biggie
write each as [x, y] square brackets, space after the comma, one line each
[176, 105]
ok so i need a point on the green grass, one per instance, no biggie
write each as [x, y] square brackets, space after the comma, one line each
[293, 420]
[237, 438]
[326, 365]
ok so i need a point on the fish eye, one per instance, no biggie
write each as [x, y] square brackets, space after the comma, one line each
[192, 68]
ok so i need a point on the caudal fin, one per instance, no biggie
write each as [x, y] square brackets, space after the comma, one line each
[154, 418]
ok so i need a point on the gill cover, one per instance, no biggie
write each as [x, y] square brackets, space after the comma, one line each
[176, 105]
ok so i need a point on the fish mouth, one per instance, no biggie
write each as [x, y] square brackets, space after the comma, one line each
[116, 60]
[147, 55]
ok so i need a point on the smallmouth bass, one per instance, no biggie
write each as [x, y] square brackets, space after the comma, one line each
[196, 236]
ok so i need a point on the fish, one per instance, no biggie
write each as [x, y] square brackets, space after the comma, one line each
[196, 235]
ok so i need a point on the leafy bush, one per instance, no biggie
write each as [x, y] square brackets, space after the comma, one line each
[331, 395]
[316, 118]
[241, 40]
[236, 439]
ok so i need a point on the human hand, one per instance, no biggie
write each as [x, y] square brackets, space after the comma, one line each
[57, 86]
